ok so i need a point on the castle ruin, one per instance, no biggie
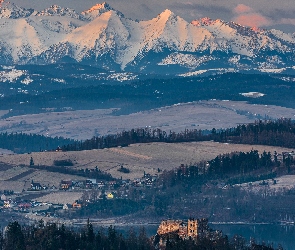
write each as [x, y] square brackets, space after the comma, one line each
[192, 228]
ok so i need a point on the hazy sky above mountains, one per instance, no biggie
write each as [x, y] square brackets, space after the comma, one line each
[259, 13]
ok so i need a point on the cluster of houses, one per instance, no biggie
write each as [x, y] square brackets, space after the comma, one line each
[108, 190]
[40, 208]
[284, 155]
[36, 186]
[6, 202]
[146, 181]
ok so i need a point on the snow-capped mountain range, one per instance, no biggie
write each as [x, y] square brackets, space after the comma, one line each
[103, 37]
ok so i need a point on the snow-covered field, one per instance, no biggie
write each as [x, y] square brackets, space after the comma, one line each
[84, 124]
[277, 185]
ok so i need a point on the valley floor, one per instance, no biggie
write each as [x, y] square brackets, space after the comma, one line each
[84, 124]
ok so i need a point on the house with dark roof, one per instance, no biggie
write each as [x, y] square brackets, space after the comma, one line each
[65, 185]
[35, 186]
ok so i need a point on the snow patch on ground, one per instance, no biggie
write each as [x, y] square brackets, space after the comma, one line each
[11, 76]
[121, 77]
[279, 184]
[288, 79]
[272, 70]
[7, 67]
[27, 81]
[199, 72]
[59, 80]
[252, 94]
[195, 73]
[187, 60]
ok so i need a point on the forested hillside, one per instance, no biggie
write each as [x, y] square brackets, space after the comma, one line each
[263, 132]
[274, 133]
[139, 95]
[24, 143]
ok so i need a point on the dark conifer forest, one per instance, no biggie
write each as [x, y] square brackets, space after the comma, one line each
[146, 94]
[24, 143]
[280, 132]
[273, 133]
[55, 236]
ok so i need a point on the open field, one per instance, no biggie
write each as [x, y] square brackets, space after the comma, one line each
[84, 124]
[3, 112]
[283, 183]
[138, 158]
[60, 197]
[19, 178]
[5, 151]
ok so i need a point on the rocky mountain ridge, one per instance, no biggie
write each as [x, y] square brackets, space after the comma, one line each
[103, 37]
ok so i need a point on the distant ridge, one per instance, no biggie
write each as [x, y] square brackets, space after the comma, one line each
[101, 36]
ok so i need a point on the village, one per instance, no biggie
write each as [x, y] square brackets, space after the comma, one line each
[69, 195]
[91, 190]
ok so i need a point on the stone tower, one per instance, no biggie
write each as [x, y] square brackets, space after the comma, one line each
[192, 227]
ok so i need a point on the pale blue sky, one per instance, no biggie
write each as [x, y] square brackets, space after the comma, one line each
[261, 13]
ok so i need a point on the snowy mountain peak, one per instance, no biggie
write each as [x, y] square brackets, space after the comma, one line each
[97, 10]
[166, 14]
[256, 29]
[101, 36]
[99, 7]
[12, 11]
[56, 10]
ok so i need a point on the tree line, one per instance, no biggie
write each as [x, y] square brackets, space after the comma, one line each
[24, 143]
[52, 236]
[233, 167]
[92, 173]
[280, 132]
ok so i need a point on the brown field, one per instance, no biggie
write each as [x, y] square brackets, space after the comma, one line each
[60, 197]
[5, 151]
[22, 175]
[19, 178]
[138, 158]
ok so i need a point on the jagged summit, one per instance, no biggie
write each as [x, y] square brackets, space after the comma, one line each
[55, 10]
[97, 10]
[166, 15]
[102, 36]
[99, 7]
[12, 11]
[228, 29]
[207, 21]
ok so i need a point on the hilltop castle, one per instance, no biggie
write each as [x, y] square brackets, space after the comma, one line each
[192, 228]
[170, 231]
